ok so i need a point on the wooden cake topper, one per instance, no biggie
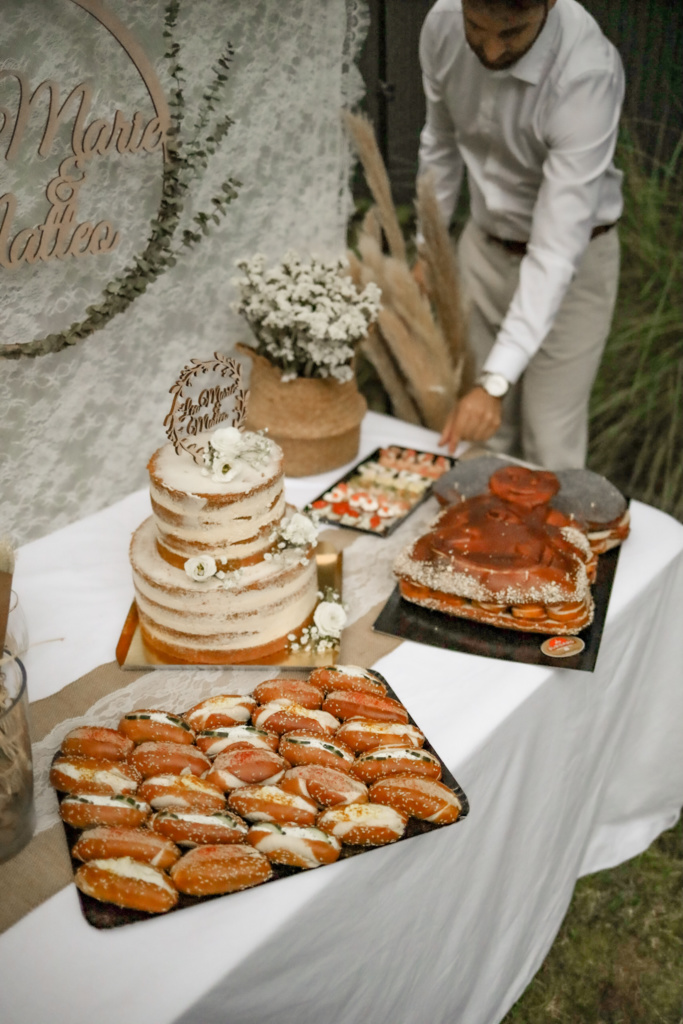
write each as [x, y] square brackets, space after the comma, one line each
[196, 410]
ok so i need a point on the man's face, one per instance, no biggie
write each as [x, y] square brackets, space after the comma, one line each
[498, 35]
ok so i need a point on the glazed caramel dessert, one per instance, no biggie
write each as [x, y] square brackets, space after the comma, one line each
[596, 505]
[505, 557]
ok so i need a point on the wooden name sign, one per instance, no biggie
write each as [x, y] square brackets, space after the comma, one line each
[61, 235]
[207, 392]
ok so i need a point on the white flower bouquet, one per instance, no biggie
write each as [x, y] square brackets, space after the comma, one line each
[307, 317]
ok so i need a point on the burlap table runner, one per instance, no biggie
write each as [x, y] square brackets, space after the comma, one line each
[44, 866]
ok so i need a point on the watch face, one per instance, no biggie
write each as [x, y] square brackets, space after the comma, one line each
[495, 384]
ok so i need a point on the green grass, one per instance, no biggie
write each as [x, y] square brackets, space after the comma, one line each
[637, 403]
[618, 957]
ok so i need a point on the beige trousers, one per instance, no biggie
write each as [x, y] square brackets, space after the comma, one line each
[545, 415]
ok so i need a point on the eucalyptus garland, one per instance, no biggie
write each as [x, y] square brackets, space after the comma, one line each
[184, 163]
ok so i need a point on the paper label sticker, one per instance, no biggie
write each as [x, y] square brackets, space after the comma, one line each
[562, 646]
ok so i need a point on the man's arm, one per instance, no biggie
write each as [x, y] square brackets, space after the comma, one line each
[438, 153]
[582, 133]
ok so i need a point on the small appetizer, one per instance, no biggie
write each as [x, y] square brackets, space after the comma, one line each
[302, 748]
[139, 843]
[147, 725]
[353, 704]
[294, 845]
[85, 810]
[270, 803]
[94, 741]
[348, 677]
[127, 883]
[211, 870]
[190, 828]
[364, 824]
[384, 761]
[225, 709]
[242, 766]
[181, 793]
[164, 758]
[90, 775]
[327, 786]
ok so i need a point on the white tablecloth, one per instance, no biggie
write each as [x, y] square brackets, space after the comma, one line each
[567, 772]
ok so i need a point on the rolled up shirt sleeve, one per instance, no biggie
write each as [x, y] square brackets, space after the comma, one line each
[581, 133]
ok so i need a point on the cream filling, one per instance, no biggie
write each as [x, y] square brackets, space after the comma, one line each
[279, 797]
[211, 819]
[235, 705]
[162, 803]
[100, 800]
[126, 867]
[351, 670]
[389, 753]
[237, 734]
[252, 578]
[367, 725]
[160, 717]
[295, 841]
[190, 782]
[363, 816]
[320, 744]
[231, 781]
[117, 781]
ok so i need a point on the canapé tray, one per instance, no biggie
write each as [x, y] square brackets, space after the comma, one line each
[133, 654]
[108, 915]
[379, 492]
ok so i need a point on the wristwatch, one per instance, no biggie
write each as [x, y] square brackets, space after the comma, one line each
[494, 384]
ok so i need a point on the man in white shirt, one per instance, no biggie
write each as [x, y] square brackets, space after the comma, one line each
[526, 95]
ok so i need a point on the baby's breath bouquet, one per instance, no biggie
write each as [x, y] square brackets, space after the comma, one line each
[307, 317]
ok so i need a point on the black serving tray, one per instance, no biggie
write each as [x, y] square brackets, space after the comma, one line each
[108, 915]
[353, 478]
[410, 621]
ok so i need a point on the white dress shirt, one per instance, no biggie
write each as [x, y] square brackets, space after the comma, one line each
[537, 140]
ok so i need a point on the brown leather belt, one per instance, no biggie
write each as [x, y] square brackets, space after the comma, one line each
[519, 248]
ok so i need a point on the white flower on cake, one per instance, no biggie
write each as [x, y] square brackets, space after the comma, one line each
[324, 634]
[202, 568]
[330, 619]
[228, 442]
[294, 538]
[299, 531]
[229, 450]
[223, 468]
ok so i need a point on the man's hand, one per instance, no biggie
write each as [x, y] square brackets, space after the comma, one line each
[476, 417]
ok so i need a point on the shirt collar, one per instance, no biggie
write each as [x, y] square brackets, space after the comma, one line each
[530, 67]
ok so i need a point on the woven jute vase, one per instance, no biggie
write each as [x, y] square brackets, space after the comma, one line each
[316, 422]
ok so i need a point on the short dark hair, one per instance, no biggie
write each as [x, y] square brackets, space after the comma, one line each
[510, 5]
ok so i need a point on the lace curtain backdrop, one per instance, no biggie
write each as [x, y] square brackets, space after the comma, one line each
[78, 426]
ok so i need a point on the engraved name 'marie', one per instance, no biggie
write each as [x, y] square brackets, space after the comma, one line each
[61, 235]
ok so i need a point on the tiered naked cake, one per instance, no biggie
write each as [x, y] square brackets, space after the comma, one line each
[223, 569]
